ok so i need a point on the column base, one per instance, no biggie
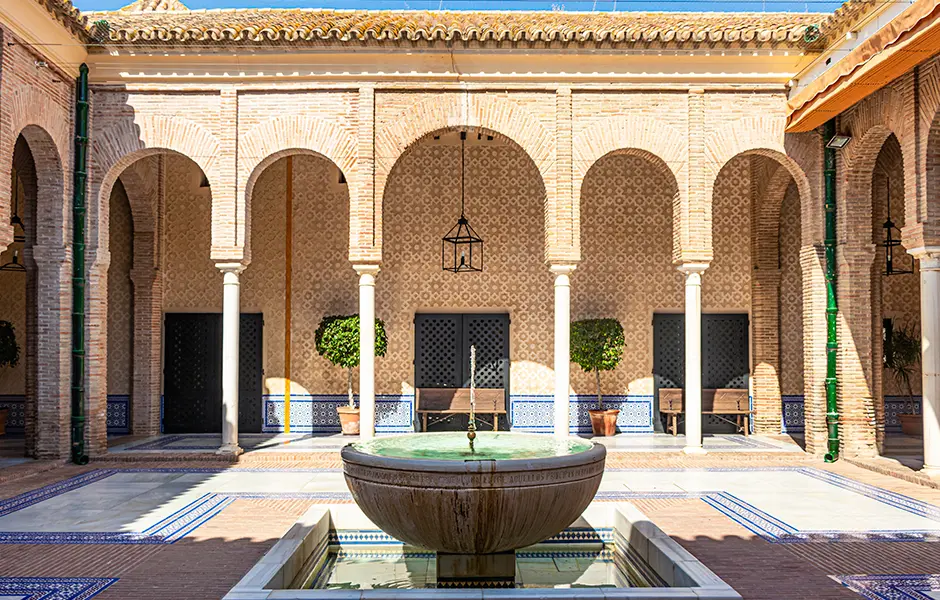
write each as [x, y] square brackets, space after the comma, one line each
[230, 450]
[931, 472]
[694, 450]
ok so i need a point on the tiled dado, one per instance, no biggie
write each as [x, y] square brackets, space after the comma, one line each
[894, 406]
[118, 413]
[316, 413]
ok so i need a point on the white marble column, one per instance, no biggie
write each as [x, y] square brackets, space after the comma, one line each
[562, 346]
[930, 359]
[231, 322]
[367, 275]
[693, 357]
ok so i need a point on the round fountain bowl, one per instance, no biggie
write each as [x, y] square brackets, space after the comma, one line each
[515, 490]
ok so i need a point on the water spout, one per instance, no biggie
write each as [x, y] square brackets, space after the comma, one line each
[472, 426]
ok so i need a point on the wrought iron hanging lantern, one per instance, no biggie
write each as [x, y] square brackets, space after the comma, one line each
[19, 237]
[462, 248]
[891, 242]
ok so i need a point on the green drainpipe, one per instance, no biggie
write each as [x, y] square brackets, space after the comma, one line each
[79, 456]
[832, 309]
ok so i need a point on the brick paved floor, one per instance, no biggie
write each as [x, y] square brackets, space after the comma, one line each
[209, 561]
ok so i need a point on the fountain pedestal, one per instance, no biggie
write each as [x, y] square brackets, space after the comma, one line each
[496, 570]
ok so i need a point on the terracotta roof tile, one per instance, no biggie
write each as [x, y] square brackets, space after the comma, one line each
[69, 16]
[298, 26]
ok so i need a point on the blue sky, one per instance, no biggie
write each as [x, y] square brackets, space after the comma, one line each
[639, 5]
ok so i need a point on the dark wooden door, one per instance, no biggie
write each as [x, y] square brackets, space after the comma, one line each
[250, 373]
[192, 373]
[442, 354]
[725, 356]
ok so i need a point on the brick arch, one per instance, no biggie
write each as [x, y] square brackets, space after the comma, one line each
[493, 114]
[52, 215]
[648, 137]
[116, 147]
[276, 138]
[35, 116]
[777, 154]
[854, 196]
[48, 322]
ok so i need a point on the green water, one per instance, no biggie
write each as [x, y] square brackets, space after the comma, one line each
[453, 445]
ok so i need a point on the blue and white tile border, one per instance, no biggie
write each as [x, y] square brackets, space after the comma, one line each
[53, 588]
[118, 413]
[188, 518]
[793, 412]
[891, 587]
[316, 413]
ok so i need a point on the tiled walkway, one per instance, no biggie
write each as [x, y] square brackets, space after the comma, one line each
[773, 525]
[279, 443]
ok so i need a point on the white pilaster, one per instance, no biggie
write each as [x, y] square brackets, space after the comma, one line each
[231, 321]
[693, 357]
[930, 355]
[562, 346]
[367, 275]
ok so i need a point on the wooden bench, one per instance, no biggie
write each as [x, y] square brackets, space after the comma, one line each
[714, 402]
[456, 401]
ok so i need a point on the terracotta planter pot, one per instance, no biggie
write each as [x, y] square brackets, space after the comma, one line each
[604, 422]
[348, 420]
[912, 424]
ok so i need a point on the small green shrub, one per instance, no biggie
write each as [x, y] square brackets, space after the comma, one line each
[9, 349]
[597, 345]
[337, 340]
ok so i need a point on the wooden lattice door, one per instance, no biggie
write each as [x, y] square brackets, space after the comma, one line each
[442, 354]
[192, 373]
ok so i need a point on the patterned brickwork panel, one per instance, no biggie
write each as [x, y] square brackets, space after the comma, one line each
[438, 351]
[791, 295]
[505, 204]
[490, 335]
[192, 282]
[120, 295]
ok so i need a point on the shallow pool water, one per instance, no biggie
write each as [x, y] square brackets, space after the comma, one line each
[453, 445]
[383, 568]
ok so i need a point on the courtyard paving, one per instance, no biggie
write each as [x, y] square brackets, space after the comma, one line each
[771, 522]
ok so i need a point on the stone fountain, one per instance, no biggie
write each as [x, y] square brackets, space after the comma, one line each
[473, 501]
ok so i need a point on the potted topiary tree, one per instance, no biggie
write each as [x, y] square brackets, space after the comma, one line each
[597, 345]
[337, 340]
[9, 357]
[902, 355]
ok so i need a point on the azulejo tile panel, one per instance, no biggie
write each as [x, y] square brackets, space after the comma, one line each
[118, 417]
[53, 588]
[793, 416]
[316, 413]
[892, 587]
[535, 413]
